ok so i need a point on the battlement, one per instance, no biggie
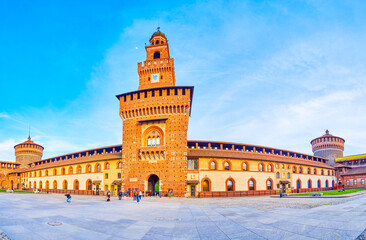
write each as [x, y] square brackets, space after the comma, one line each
[252, 148]
[76, 155]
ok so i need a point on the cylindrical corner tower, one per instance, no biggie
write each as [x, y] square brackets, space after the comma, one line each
[328, 146]
[28, 152]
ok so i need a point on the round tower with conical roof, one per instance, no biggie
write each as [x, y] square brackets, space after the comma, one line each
[28, 152]
[328, 146]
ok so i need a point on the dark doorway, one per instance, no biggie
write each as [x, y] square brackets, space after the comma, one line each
[193, 191]
[153, 184]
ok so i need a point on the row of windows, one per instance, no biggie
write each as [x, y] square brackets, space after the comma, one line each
[355, 182]
[230, 184]
[88, 169]
[153, 141]
[193, 165]
[76, 184]
[294, 170]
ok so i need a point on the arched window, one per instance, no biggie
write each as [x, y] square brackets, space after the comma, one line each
[309, 183]
[319, 184]
[261, 167]
[326, 183]
[97, 168]
[55, 184]
[213, 165]
[251, 185]
[106, 166]
[229, 185]
[300, 170]
[88, 169]
[79, 169]
[156, 55]
[55, 172]
[226, 166]
[40, 173]
[149, 142]
[76, 185]
[206, 185]
[119, 165]
[309, 171]
[322, 172]
[153, 141]
[46, 172]
[333, 183]
[277, 175]
[294, 169]
[63, 171]
[47, 185]
[245, 166]
[89, 185]
[158, 141]
[298, 184]
[288, 175]
[64, 185]
[71, 170]
[157, 42]
[40, 184]
[269, 184]
[314, 171]
[270, 168]
[328, 173]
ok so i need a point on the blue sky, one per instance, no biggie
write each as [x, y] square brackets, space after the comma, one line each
[272, 73]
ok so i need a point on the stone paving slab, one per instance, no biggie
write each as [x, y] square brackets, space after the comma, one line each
[28, 216]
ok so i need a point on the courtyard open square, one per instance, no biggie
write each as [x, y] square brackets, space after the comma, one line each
[48, 216]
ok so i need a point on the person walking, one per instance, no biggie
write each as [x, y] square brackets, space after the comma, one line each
[140, 195]
[108, 196]
[68, 198]
[120, 194]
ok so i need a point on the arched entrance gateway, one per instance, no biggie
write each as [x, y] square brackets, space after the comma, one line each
[153, 185]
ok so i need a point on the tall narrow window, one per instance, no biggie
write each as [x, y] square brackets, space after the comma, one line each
[192, 164]
[229, 186]
[149, 142]
[245, 167]
[158, 141]
[251, 185]
[227, 166]
[153, 141]
[269, 185]
[213, 165]
[261, 167]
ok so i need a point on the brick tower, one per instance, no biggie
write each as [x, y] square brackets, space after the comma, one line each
[155, 124]
[28, 152]
[328, 146]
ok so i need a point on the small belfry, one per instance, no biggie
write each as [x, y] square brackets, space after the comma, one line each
[158, 68]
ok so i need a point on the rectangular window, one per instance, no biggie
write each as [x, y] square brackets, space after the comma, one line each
[355, 182]
[106, 176]
[192, 164]
[119, 175]
[347, 182]
[363, 181]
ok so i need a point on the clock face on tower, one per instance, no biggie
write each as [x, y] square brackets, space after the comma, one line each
[155, 77]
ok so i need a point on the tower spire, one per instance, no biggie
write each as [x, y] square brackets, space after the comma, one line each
[29, 138]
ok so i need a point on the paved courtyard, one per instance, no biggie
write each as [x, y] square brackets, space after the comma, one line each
[30, 216]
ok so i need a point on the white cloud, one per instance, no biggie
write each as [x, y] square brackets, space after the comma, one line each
[7, 150]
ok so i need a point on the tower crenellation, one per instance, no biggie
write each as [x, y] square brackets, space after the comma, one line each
[328, 146]
[28, 152]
